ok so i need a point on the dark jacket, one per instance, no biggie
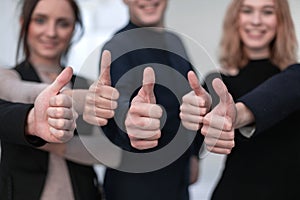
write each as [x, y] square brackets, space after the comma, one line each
[23, 168]
[132, 50]
[265, 166]
[279, 97]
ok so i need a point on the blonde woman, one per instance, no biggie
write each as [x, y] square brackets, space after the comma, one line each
[258, 42]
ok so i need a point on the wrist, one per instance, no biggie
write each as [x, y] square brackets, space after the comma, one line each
[30, 123]
[244, 116]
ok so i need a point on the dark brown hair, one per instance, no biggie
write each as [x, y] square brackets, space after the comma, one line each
[28, 7]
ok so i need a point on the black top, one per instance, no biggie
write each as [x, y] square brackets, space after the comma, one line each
[131, 52]
[23, 169]
[266, 166]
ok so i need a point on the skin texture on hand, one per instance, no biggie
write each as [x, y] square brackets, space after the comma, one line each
[143, 118]
[101, 99]
[244, 116]
[218, 125]
[195, 104]
[53, 118]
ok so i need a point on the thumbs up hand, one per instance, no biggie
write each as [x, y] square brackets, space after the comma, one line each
[195, 104]
[101, 100]
[143, 118]
[218, 125]
[53, 116]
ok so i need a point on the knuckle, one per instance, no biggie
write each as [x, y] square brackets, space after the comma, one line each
[75, 115]
[60, 124]
[204, 130]
[59, 112]
[114, 105]
[110, 114]
[231, 135]
[136, 145]
[154, 144]
[129, 121]
[227, 151]
[228, 125]
[102, 122]
[133, 109]
[203, 111]
[209, 148]
[90, 99]
[59, 100]
[99, 101]
[157, 135]
[144, 123]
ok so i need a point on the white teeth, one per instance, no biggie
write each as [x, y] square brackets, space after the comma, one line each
[149, 7]
[255, 32]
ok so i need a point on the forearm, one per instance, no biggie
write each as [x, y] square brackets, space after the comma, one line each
[244, 116]
[26, 91]
[275, 99]
[74, 150]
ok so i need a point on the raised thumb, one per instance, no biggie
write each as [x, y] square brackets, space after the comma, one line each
[148, 84]
[61, 80]
[221, 90]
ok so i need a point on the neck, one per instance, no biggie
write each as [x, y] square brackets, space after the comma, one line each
[257, 54]
[158, 25]
[45, 65]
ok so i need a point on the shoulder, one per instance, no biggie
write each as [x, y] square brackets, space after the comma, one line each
[173, 35]
[294, 67]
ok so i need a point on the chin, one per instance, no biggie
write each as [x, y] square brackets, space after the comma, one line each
[151, 23]
[49, 56]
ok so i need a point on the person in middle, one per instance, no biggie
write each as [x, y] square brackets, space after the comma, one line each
[133, 48]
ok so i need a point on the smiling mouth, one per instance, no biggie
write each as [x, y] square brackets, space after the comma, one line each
[150, 7]
[256, 34]
[49, 44]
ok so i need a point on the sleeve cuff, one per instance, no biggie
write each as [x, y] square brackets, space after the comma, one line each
[247, 131]
[35, 141]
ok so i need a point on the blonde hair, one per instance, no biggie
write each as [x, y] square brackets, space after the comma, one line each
[283, 49]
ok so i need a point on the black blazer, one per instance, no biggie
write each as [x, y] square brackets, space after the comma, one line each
[265, 166]
[283, 89]
[23, 169]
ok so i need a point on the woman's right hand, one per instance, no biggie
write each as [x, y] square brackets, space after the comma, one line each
[195, 105]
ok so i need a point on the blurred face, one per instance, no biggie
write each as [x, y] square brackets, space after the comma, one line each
[50, 29]
[147, 13]
[257, 26]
